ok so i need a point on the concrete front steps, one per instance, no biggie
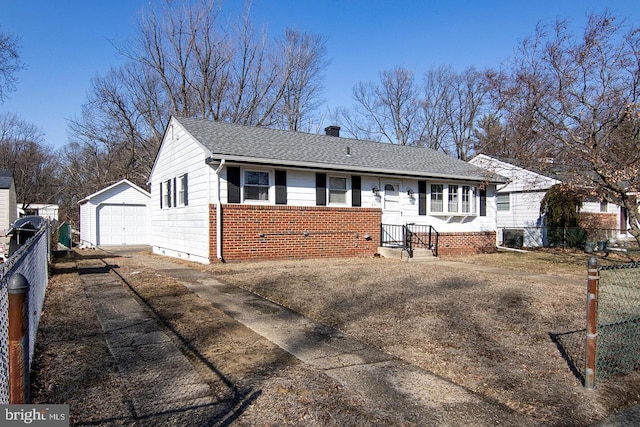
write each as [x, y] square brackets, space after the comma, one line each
[419, 255]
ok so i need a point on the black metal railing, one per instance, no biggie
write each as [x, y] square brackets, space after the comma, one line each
[409, 237]
[392, 235]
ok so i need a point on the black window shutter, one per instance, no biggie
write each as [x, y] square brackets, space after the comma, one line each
[168, 183]
[422, 197]
[321, 189]
[175, 192]
[483, 202]
[281, 187]
[186, 192]
[356, 193]
[233, 185]
[161, 195]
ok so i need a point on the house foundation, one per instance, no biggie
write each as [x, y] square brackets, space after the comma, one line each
[267, 232]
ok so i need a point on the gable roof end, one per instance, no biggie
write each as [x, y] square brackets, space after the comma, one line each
[6, 178]
[121, 182]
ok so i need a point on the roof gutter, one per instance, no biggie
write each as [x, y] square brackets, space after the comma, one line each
[316, 165]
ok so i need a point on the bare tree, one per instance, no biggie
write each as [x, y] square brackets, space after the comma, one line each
[581, 99]
[437, 101]
[184, 61]
[439, 115]
[468, 92]
[387, 110]
[304, 62]
[33, 164]
[10, 63]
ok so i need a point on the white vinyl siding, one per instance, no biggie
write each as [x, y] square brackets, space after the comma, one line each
[182, 231]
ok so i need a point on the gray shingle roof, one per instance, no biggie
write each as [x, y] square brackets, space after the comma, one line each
[5, 179]
[271, 146]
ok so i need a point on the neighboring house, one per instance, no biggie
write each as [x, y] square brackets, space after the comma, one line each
[518, 205]
[222, 191]
[47, 211]
[115, 215]
[7, 209]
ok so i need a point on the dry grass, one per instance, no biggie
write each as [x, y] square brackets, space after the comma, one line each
[486, 322]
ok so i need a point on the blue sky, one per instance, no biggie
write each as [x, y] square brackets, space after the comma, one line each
[65, 43]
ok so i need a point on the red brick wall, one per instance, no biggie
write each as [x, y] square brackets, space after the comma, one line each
[252, 232]
[595, 220]
[466, 243]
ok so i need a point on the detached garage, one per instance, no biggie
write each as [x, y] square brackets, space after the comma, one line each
[116, 215]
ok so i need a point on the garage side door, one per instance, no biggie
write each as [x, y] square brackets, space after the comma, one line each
[122, 225]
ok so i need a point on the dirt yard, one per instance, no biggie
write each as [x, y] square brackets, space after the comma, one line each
[497, 333]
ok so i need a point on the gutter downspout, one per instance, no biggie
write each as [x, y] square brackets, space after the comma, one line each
[219, 213]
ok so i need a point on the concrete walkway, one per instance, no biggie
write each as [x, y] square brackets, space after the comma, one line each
[162, 385]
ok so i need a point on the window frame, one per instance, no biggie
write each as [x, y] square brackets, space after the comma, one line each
[454, 199]
[244, 186]
[500, 205]
[335, 191]
[181, 189]
[441, 211]
[469, 193]
[166, 194]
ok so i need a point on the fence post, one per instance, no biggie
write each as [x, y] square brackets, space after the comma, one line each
[18, 289]
[592, 322]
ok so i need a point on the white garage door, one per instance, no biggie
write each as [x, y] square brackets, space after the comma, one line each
[122, 225]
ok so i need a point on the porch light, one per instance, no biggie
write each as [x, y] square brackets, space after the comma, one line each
[410, 192]
[376, 191]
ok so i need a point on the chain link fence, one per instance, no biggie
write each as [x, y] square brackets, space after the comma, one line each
[589, 239]
[32, 261]
[618, 324]
[4, 341]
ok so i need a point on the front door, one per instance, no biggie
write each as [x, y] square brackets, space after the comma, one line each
[391, 213]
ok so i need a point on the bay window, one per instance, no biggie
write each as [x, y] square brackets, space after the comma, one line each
[460, 199]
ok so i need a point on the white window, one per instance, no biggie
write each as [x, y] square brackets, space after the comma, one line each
[337, 190]
[453, 198]
[468, 199]
[437, 200]
[604, 206]
[391, 197]
[182, 190]
[503, 201]
[166, 194]
[256, 185]
[460, 199]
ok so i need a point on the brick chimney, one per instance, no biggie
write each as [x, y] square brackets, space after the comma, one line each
[332, 130]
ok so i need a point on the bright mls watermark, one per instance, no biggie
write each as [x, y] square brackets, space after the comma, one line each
[34, 415]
